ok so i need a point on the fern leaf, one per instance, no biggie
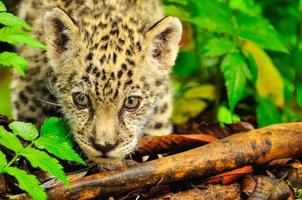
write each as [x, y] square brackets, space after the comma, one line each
[9, 19]
[45, 162]
[54, 138]
[25, 130]
[15, 36]
[8, 59]
[57, 127]
[2, 7]
[28, 183]
[59, 148]
[3, 161]
[10, 141]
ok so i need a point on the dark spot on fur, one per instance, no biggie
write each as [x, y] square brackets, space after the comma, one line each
[130, 73]
[89, 56]
[23, 97]
[158, 125]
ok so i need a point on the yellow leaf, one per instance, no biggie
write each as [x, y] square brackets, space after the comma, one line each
[269, 82]
[205, 91]
[184, 109]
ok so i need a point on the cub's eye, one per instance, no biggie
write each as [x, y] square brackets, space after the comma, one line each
[81, 100]
[132, 103]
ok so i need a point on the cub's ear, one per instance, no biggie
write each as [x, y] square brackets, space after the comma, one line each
[60, 31]
[165, 37]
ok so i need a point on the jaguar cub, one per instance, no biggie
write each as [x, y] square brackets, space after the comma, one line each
[106, 71]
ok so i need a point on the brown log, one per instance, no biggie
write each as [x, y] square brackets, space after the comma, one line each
[257, 147]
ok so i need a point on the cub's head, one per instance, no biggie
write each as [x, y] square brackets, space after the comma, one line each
[111, 71]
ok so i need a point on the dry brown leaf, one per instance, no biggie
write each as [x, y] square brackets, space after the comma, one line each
[172, 143]
[284, 162]
[231, 176]
[215, 129]
[248, 185]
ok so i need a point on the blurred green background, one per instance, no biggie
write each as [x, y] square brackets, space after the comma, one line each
[239, 60]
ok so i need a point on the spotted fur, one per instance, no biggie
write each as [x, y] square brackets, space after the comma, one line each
[108, 50]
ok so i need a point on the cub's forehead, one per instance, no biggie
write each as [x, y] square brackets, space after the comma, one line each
[112, 54]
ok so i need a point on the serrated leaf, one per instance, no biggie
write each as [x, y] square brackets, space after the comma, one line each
[9, 59]
[225, 116]
[218, 46]
[54, 138]
[2, 7]
[205, 91]
[25, 130]
[55, 126]
[235, 72]
[28, 183]
[3, 161]
[260, 31]
[59, 148]
[16, 36]
[45, 162]
[270, 83]
[9, 19]
[10, 141]
[213, 16]
[267, 113]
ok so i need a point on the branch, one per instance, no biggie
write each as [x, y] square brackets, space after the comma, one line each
[257, 147]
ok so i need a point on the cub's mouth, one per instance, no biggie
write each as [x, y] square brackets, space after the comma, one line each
[117, 150]
[105, 148]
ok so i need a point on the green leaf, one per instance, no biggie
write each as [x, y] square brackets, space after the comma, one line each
[28, 183]
[59, 148]
[246, 6]
[45, 162]
[260, 31]
[56, 126]
[299, 93]
[186, 64]
[235, 73]
[176, 11]
[218, 47]
[213, 16]
[9, 19]
[225, 116]
[2, 7]
[3, 161]
[10, 141]
[267, 113]
[180, 2]
[54, 138]
[16, 36]
[25, 130]
[9, 59]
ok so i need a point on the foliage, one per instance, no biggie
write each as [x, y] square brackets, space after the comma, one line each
[52, 138]
[249, 49]
[15, 31]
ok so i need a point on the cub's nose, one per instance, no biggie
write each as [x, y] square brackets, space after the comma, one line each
[104, 148]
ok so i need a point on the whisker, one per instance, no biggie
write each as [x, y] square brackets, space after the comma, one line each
[50, 103]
